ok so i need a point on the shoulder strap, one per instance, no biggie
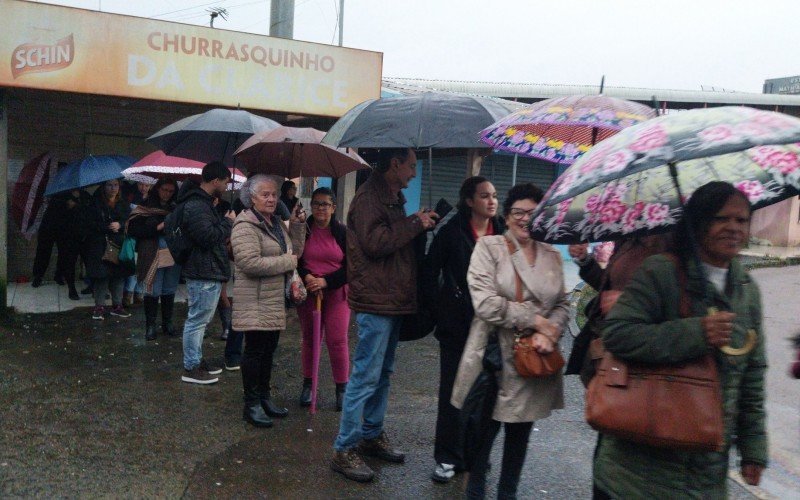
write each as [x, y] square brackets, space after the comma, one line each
[511, 251]
[684, 306]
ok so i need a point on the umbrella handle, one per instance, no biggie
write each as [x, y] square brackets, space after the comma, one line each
[319, 301]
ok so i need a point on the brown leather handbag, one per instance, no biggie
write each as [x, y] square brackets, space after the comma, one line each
[527, 360]
[666, 406]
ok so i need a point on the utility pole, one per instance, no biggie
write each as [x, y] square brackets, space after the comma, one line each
[281, 19]
[341, 22]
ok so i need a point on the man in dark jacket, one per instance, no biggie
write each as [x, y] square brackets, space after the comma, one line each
[381, 271]
[207, 266]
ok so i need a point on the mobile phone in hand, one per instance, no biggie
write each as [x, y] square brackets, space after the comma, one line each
[443, 207]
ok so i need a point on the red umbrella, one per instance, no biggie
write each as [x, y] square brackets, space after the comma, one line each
[316, 349]
[27, 201]
[159, 164]
[297, 152]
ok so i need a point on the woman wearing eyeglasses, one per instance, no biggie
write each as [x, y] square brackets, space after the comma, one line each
[323, 267]
[538, 308]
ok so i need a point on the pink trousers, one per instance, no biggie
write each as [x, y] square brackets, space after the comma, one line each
[335, 322]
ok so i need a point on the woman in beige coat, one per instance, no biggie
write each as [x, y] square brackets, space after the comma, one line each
[543, 313]
[264, 254]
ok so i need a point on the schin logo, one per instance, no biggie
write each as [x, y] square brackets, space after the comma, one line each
[39, 58]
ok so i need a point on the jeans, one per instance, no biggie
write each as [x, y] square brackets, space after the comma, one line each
[233, 348]
[203, 296]
[367, 393]
[515, 447]
[101, 286]
[165, 282]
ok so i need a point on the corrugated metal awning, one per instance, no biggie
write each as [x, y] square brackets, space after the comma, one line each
[531, 91]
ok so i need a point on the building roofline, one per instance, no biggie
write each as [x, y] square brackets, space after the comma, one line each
[537, 91]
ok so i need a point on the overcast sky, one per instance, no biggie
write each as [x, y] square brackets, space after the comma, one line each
[667, 44]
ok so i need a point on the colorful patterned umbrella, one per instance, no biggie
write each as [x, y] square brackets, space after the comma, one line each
[563, 128]
[628, 185]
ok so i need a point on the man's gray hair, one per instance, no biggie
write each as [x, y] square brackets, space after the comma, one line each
[250, 187]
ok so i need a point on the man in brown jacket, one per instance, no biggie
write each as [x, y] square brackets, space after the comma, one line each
[381, 271]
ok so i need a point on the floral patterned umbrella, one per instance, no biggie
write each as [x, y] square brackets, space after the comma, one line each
[628, 185]
[564, 128]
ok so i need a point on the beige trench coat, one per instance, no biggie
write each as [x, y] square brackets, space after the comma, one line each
[260, 268]
[492, 285]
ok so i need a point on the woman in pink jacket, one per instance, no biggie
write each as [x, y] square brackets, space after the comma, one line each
[323, 267]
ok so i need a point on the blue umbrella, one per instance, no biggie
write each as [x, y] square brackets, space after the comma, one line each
[88, 171]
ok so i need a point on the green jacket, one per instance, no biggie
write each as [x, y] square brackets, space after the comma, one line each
[645, 326]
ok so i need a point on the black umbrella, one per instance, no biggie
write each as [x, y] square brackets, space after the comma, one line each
[422, 121]
[429, 120]
[211, 136]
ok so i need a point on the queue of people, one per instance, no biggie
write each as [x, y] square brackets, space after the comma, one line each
[488, 282]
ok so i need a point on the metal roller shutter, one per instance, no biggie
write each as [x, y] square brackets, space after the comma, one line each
[450, 171]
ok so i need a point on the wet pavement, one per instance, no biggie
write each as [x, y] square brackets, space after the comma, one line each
[89, 409]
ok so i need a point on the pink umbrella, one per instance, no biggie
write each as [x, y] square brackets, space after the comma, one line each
[159, 164]
[27, 201]
[296, 152]
[316, 349]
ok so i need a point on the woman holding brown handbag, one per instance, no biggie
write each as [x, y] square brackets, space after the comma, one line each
[646, 327]
[539, 307]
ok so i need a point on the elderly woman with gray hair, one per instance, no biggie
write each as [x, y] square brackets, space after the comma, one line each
[264, 253]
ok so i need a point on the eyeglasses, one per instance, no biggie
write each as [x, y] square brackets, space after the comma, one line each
[321, 204]
[520, 214]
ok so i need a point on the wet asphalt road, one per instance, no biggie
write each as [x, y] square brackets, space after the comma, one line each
[88, 409]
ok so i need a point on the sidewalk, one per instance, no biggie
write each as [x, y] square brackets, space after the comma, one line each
[51, 297]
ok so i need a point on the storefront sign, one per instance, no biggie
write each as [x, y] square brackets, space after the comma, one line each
[62, 48]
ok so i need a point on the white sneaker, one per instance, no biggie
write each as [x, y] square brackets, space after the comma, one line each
[443, 473]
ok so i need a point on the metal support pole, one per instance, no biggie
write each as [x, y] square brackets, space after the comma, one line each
[281, 19]
[341, 22]
[514, 171]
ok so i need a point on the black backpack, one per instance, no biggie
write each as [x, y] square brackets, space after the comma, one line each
[179, 245]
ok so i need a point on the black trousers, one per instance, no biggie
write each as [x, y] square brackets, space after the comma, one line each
[514, 449]
[68, 252]
[256, 365]
[447, 447]
[45, 240]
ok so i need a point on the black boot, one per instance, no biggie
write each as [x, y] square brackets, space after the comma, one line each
[150, 315]
[305, 393]
[37, 282]
[167, 306]
[271, 408]
[253, 413]
[73, 292]
[225, 314]
[340, 388]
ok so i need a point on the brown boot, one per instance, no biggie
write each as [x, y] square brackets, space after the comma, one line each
[351, 466]
[380, 447]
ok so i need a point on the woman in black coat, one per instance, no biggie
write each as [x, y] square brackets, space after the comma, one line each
[159, 280]
[446, 285]
[104, 220]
